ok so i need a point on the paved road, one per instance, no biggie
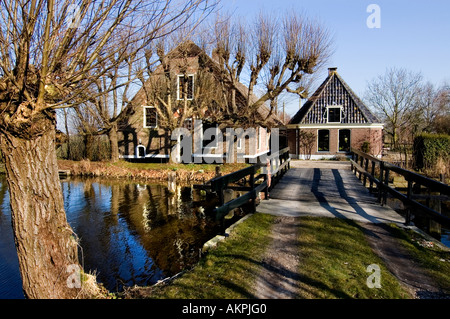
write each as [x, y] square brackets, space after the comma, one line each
[326, 190]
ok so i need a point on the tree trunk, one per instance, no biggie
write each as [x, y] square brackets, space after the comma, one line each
[88, 146]
[114, 143]
[46, 245]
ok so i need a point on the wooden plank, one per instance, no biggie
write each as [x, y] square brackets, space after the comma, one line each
[372, 158]
[364, 172]
[417, 178]
[237, 202]
[221, 182]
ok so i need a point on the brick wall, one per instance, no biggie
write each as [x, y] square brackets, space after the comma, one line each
[357, 137]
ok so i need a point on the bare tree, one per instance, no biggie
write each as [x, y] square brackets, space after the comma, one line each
[274, 54]
[307, 140]
[435, 106]
[50, 56]
[174, 104]
[394, 96]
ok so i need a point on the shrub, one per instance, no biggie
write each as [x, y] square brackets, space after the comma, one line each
[429, 150]
[365, 147]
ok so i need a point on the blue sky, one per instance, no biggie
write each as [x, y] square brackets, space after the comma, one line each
[414, 35]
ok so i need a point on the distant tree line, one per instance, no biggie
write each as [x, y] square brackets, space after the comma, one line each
[409, 106]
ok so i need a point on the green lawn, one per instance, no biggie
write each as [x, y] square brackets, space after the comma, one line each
[432, 258]
[227, 271]
[334, 256]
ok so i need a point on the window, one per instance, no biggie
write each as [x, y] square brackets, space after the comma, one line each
[185, 87]
[334, 115]
[188, 124]
[150, 117]
[344, 140]
[323, 141]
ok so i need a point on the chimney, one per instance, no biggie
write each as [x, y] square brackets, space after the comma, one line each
[331, 71]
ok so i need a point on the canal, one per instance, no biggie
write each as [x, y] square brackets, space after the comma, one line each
[130, 233]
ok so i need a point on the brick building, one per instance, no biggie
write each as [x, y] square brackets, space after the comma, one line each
[333, 121]
[187, 81]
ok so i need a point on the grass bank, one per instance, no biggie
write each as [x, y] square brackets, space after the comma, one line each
[146, 171]
[431, 257]
[226, 272]
[334, 256]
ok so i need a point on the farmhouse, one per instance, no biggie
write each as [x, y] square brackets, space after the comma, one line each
[184, 92]
[333, 121]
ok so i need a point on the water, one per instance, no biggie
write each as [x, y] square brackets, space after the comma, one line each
[421, 222]
[130, 233]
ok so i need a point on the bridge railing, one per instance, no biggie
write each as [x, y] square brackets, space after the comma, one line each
[377, 172]
[257, 178]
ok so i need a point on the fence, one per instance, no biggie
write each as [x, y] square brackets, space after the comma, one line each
[376, 172]
[253, 180]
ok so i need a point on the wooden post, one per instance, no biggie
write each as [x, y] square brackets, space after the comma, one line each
[366, 165]
[408, 209]
[386, 182]
[252, 185]
[434, 228]
[362, 166]
[372, 172]
[351, 163]
[172, 182]
[228, 195]
[218, 171]
[380, 186]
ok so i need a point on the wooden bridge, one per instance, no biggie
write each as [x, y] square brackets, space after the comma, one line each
[325, 189]
[355, 189]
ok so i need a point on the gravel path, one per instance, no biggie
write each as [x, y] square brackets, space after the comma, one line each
[278, 278]
[400, 263]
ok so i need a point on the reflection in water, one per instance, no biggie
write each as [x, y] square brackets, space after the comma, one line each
[130, 234]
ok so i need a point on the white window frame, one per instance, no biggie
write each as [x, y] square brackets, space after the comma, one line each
[334, 107]
[329, 140]
[145, 107]
[178, 86]
[189, 119]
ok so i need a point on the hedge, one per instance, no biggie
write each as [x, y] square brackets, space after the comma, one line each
[428, 148]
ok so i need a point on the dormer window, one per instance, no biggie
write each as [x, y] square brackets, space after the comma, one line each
[185, 87]
[334, 114]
